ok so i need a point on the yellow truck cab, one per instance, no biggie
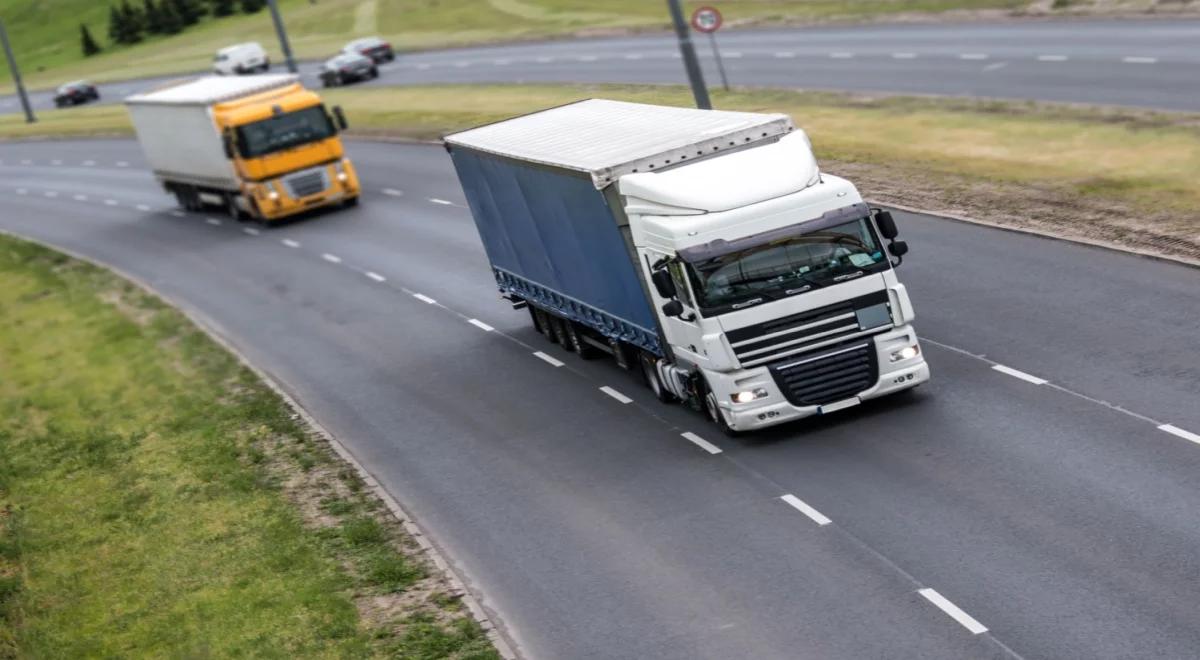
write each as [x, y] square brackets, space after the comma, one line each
[262, 146]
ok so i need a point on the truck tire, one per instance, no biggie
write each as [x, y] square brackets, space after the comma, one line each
[576, 343]
[648, 363]
[538, 317]
[235, 211]
[560, 331]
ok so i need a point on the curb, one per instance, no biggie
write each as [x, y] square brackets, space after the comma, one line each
[457, 584]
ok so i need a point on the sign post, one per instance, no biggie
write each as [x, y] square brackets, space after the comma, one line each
[16, 74]
[690, 63]
[708, 20]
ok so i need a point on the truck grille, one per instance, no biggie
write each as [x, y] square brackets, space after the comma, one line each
[309, 182]
[831, 375]
[817, 329]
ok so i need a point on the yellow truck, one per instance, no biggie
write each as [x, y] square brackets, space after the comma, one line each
[260, 147]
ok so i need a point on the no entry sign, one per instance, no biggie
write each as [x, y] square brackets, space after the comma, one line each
[706, 19]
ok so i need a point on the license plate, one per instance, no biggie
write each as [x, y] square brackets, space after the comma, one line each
[839, 405]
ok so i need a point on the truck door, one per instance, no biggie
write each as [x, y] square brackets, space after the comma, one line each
[683, 331]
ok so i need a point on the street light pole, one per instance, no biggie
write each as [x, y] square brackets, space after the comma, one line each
[16, 74]
[282, 32]
[690, 62]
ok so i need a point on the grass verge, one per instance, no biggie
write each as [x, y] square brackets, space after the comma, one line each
[157, 500]
[1117, 177]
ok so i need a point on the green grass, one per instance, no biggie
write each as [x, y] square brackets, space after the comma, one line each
[46, 32]
[152, 490]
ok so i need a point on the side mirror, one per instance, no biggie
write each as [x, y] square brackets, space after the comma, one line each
[887, 225]
[898, 248]
[673, 308]
[227, 142]
[340, 117]
[663, 283]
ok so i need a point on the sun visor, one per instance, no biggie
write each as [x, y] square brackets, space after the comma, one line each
[721, 247]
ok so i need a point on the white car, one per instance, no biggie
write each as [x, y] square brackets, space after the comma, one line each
[240, 59]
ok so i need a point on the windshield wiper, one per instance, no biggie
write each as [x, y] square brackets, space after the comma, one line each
[849, 276]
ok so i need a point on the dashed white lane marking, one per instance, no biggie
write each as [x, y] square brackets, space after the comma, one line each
[953, 611]
[480, 324]
[633, 56]
[22, 191]
[143, 207]
[331, 258]
[88, 163]
[615, 394]
[80, 198]
[111, 202]
[26, 161]
[701, 442]
[213, 221]
[422, 66]
[393, 192]
[1139, 60]
[424, 298]
[973, 56]
[290, 243]
[179, 214]
[121, 163]
[733, 55]
[502, 62]
[904, 56]
[375, 276]
[995, 66]
[56, 162]
[785, 54]
[1019, 374]
[1178, 432]
[251, 231]
[801, 506]
[443, 202]
[461, 65]
[587, 58]
[51, 193]
[547, 359]
[544, 60]
[1052, 58]
[841, 56]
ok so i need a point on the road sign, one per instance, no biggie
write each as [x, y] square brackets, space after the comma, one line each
[706, 19]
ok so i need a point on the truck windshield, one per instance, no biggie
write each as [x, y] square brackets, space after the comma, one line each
[284, 131]
[787, 266]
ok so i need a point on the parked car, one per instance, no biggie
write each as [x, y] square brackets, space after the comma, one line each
[75, 93]
[373, 47]
[241, 59]
[347, 67]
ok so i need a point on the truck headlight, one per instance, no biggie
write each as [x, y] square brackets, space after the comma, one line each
[749, 395]
[273, 196]
[342, 176]
[341, 171]
[906, 353]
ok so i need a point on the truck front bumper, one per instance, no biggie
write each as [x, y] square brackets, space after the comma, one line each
[774, 408]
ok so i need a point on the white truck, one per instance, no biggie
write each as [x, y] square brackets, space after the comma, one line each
[705, 246]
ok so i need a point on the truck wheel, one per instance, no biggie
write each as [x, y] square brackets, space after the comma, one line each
[650, 375]
[576, 342]
[560, 331]
[539, 319]
[232, 208]
[713, 412]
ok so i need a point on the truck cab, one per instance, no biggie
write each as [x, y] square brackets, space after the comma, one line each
[780, 293]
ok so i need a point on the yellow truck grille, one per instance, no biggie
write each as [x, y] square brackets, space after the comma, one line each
[309, 182]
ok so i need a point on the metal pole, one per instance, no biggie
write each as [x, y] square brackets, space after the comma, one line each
[16, 74]
[712, 37]
[282, 32]
[688, 51]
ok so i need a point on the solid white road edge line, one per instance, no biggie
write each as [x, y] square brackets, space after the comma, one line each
[331, 258]
[615, 394]
[1019, 374]
[547, 359]
[424, 298]
[953, 611]
[480, 324]
[807, 510]
[701, 442]
[290, 243]
[1176, 431]
[375, 276]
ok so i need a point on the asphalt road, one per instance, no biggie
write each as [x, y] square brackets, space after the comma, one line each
[1058, 515]
[1140, 63]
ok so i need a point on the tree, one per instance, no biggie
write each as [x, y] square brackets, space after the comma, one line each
[153, 17]
[188, 11]
[222, 7]
[116, 27]
[132, 22]
[252, 6]
[168, 20]
[90, 47]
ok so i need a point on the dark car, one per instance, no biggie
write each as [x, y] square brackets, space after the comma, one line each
[74, 93]
[345, 68]
[373, 47]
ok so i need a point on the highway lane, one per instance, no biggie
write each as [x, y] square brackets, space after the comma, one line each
[1141, 63]
[1065, 526]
